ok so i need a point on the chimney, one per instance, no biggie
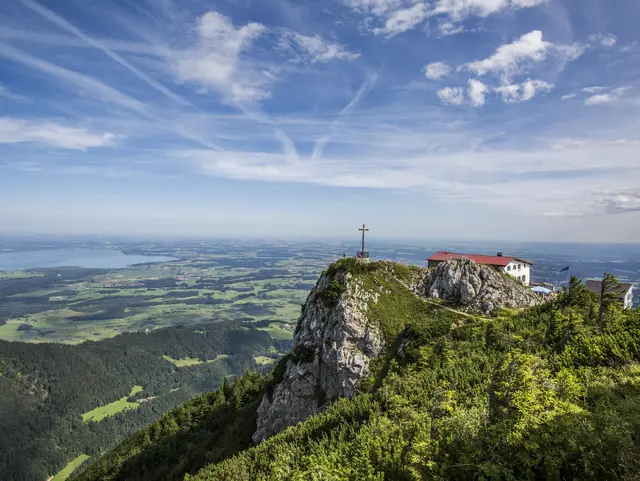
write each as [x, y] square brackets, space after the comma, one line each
[499, 254]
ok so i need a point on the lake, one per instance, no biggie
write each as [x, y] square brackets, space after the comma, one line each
[94, 258]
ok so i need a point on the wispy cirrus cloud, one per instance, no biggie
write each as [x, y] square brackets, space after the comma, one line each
[69, 27]
[364, 89]
[572, 176]
[605, 98]
[6, 93]
[460, 9]
[313, 48]
[17, 131]
[70, 77]
[597, 94]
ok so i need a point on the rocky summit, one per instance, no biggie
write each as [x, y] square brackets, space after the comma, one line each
[333, 345]
[476, 287]
[337, 336]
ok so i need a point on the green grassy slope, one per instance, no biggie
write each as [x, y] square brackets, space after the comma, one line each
[551, 392]
[70, 467]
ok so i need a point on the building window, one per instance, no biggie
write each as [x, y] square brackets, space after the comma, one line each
[524, 278]
[519, 266]
[508, 268]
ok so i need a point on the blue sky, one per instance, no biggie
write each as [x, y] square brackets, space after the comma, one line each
[471, 119]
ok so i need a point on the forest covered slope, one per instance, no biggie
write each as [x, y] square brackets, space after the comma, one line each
[62, 401]
[547, 392]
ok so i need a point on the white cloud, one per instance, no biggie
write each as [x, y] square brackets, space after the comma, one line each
[568, 96]
[449, 28]
[605, 39]
[315, 48]
[377, 7]
[516, 57]
[437, 70]
[611, 96]
[594, 90]
[468, 173]
[452, 95]
[402, 15]
[568, 53]
[599, 99]
[15, 131]
[477, 91]
[215, 59]
[402, 20]
[510, 58]
[523, 92]
[460, 9]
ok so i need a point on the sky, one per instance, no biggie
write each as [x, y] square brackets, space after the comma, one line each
[466, 119]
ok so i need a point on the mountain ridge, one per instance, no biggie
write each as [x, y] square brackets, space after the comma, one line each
[423, 391]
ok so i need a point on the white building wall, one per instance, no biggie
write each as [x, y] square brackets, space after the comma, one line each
[520, 270]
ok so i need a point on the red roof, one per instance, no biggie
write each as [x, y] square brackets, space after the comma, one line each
[477, 258]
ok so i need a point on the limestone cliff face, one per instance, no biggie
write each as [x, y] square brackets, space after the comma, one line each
[332, 348]
[477, 287]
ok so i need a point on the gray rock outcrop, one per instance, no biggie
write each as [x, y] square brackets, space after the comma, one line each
[335, 339]
[477, 287]
[332, 347]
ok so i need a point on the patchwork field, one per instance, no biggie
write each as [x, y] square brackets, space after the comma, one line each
[74, 305]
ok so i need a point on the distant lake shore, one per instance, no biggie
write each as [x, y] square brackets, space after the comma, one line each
[88, 258]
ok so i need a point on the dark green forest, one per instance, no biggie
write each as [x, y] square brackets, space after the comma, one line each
[551, 392]
[46, 388]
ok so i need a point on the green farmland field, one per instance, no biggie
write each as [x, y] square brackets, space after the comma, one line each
[70, 468]
[264, 360]
[101, 412]
[188, 361]
[207, 284]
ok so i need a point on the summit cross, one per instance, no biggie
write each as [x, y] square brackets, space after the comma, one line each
[364, 229]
